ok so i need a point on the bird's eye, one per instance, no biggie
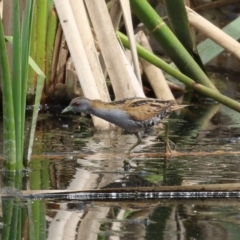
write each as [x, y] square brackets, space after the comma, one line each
[76, 104]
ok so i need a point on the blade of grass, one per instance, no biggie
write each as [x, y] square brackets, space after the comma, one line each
[26, 39]
[14, 91]
[41, 33]
[178, 20]
[50, 40]
[17, 83]
[32, 53]
[49, 6]
[40, 85]
[9, 140]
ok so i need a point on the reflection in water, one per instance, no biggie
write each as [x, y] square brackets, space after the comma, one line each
[158, 219]
[24, 219]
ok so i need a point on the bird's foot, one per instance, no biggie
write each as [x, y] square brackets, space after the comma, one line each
[170, 146]
[139, 140]
[126, 165]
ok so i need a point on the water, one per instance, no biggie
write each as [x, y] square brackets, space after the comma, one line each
[72, 156]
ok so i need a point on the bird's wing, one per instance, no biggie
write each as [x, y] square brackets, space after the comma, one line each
[143, 109]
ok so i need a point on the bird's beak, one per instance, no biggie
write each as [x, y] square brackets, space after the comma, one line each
[67, 109]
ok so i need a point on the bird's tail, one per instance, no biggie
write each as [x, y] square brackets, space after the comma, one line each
[177, 107]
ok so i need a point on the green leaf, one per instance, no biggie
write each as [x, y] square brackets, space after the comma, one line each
[9, 144]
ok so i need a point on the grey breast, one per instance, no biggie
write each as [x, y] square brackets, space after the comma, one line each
[119, 118]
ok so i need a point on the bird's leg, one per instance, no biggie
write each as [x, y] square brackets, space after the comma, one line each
[167, 141]
[139, 140]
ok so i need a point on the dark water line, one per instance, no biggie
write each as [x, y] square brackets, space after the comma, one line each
[153, 195]
[133, 195]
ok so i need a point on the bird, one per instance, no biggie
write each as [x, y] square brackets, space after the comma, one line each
[132, 114]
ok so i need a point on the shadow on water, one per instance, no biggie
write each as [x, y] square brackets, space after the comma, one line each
[69, 155]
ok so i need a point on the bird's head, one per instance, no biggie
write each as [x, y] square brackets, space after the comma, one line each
[78, 105]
